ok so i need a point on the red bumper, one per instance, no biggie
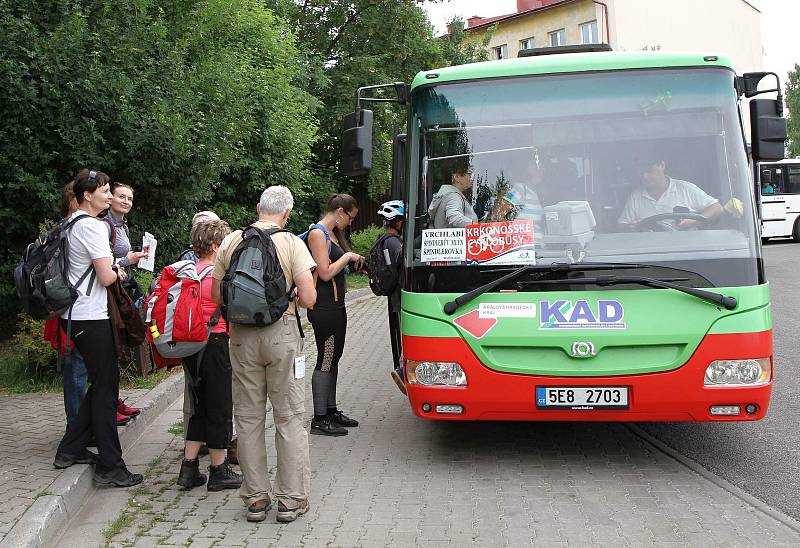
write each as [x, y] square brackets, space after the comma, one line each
[677, 395]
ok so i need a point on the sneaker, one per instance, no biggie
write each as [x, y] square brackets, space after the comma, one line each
[123, 409]
[122, 420]
[190, 475]
[258, 510]
[64, 460]
[118, 477]
[223, 477]
[343, 420]
[398, 380]
[233, 455]
[326, 427]
[286, 515]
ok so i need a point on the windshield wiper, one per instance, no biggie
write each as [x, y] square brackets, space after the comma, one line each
[664, 283]
[452, 306]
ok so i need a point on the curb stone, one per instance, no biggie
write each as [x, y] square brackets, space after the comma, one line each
[697, 468]
[41, 523]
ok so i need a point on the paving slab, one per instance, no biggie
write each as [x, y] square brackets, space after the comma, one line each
[402, 481]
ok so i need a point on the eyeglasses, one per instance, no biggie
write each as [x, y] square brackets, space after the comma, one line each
[351, 217]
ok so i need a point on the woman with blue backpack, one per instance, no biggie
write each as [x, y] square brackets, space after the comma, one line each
[332, 254]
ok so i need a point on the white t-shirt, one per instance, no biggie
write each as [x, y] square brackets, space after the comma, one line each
[87, 240]
[641, 205]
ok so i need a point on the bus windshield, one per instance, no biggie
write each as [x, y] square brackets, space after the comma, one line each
[638, 166]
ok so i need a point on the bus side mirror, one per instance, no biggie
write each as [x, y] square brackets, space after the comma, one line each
[357, 143]
[768, 130]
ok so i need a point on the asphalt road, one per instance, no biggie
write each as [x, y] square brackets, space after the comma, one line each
[760, 457]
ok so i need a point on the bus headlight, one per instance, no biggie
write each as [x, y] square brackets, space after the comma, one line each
[435, 373]
[753, 372]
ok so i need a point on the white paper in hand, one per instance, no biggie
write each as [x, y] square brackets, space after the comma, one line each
[299, 367]
[149, 243]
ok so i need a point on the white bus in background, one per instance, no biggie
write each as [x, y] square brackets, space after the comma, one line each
[779, 183]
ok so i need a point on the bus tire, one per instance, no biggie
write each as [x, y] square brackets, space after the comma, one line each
[796, 230]
[764, 240]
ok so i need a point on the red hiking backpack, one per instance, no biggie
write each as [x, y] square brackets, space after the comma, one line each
[174, 319]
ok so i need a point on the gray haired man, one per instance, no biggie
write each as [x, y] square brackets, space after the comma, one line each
[266, 362]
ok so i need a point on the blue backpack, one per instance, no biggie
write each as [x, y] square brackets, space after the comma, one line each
[304, 237]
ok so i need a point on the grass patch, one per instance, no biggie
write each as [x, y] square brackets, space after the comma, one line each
[18, 377]
[42, 494]
[129, 381]
[357, 281]
[152, 465]
[123, 521]
[176, 429]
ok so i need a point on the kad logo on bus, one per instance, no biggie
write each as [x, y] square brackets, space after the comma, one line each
[583, 349]
[579, 314]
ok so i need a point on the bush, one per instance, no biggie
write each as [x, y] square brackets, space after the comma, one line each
[362, 241]
[30, 343]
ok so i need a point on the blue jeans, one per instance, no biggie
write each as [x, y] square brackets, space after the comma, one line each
[74, 384]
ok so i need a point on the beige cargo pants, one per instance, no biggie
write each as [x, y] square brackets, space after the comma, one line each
[263, 361]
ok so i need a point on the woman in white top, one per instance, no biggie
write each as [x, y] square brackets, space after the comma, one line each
[90, 270]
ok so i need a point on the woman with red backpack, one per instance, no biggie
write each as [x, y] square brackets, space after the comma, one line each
[209, 374]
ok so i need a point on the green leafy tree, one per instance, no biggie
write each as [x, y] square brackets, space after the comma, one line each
[793, 104]
[353, 43]
[195, 103]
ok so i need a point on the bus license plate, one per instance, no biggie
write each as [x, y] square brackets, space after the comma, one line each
[582, 397]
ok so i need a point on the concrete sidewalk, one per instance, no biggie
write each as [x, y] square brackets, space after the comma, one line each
[400, 481]
[35, 498]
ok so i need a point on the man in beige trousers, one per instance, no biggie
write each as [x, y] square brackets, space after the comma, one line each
[267, 362]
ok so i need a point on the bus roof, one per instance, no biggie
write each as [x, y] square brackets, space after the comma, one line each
[570, 62]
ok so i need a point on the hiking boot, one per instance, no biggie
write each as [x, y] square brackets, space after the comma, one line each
[233, 455]
[223, 477]
[123, 409]
[118, 477]
[397, 377]
[122, 420]
[64, 460]
[258, 510]
[286, 515]
[190, 475]
[343, 420]
[326, 427]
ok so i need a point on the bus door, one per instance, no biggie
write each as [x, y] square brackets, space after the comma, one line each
[773, 203]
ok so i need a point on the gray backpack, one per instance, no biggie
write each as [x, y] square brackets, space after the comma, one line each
[254, 287]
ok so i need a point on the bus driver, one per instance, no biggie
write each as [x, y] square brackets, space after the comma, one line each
[661, 193]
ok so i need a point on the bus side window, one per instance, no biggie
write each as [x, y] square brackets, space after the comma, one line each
[793, 179]
[767, 182]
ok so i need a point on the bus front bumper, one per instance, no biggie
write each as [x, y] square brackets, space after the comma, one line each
[676, 395]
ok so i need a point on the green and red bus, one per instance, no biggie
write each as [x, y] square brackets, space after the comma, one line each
[571, 293]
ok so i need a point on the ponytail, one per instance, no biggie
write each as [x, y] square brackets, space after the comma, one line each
[346, 202]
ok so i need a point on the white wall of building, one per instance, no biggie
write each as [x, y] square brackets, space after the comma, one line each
[732, 27]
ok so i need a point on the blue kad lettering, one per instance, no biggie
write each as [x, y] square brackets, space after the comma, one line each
[579, 314]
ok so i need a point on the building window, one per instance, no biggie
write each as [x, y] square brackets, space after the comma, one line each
[501, 52]
[589, 33]
[527, 43]
[558, 37]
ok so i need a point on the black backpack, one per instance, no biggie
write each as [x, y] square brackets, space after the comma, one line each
[254, 287]
[42, 275]
[383, 277]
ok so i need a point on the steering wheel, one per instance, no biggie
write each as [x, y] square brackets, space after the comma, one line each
[656, 222]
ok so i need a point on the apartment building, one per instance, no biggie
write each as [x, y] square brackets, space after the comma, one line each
[732, 27]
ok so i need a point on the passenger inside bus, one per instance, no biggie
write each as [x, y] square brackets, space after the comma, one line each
[450, 208]
[661, 194]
